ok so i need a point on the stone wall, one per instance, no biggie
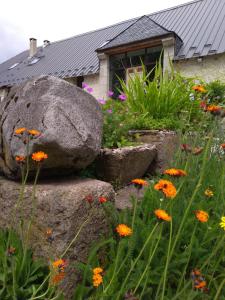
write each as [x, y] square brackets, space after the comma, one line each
[210, 68]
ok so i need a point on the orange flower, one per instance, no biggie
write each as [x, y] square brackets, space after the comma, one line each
[59, 264]
[175, 172]
[222, 146]
[166, 187]
[197, 150]
[39, 156]
[34, 132]
[97, 270]
[162, 214]
[139, 182]
[123, 230]
[199, 88]
[102, 199]
[213, 108]
[97, 280]
[20, 130]
[200, 285]
[20, 158]
[201, 215]
[58, 277]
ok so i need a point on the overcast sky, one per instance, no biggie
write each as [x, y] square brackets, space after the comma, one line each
[58, 19]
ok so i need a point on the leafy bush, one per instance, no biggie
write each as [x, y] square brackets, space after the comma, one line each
[216, 91]
[160, 258]
[116, 127]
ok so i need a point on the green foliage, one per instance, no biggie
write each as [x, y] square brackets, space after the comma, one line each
[155, 262]
[116, 127]
[167, 95]
[216, 91]
[21, 276]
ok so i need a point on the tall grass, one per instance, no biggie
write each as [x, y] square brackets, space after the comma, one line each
[168, 94]
[156, 261]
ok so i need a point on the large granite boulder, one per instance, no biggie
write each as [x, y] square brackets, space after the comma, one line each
[69, 119]
[62, 206]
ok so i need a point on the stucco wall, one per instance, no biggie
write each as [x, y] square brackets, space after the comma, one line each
[94, 82]
[210, 68]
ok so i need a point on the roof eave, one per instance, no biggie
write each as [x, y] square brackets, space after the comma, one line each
[151, 41]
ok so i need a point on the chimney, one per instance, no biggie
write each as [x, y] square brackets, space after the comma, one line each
[46, 43]
[33, 47]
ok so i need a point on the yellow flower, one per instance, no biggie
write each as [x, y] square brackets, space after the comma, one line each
[209, 193]
[20, 130]
[34, 132]
[97, 270]
[97, 280]
[222, 223]
[175, 172]
[123, 230]
[166, 187]
[39, 156]
[162, 214]
[201, 215]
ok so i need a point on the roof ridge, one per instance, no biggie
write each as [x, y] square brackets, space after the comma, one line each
[129, 20]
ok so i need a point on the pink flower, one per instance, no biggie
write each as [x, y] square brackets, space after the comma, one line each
[122, 97]
[101, 101]
[109, 111]
[110, 93]
[90, 90]
[84, 85]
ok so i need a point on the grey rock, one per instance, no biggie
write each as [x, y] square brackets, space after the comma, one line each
[124, 196]
[69, 118]
[120, 166]
[61, 206]
[166, 142]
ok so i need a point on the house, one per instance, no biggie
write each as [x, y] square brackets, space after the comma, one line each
[191, 35]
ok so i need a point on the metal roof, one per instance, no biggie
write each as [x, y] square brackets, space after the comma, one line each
[143, 28]
[200, 24]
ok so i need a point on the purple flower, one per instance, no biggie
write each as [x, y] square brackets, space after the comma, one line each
[122, 97]
[101, 101]
[110, 93]
[84, 85]
[109, 111]
[90, 90]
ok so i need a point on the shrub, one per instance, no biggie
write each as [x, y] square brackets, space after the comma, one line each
[166, 96]
[216, 91]
[116, 127]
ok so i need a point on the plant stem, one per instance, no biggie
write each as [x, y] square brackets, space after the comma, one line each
[136, 260]
[167, 260]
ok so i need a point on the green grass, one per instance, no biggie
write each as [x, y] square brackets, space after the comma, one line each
[157, 260]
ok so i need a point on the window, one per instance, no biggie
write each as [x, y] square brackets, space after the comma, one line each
[80, 80]
[125, 65]
[13, 66]
[33, 61]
